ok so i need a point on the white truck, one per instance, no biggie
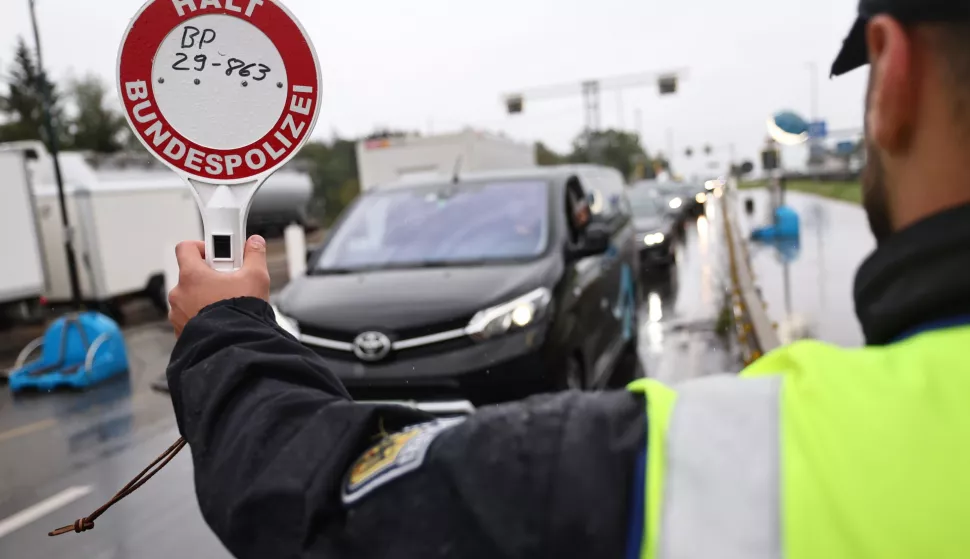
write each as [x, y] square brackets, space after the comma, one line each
[403, 159]
[123, 229]
[24, 279]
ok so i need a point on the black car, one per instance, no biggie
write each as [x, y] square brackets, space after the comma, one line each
[695, 197]
[672, 195]
[476, 290]
[656, 228]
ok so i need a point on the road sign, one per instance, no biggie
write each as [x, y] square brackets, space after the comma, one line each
[845, 148]
[224, 92]
[818, 130]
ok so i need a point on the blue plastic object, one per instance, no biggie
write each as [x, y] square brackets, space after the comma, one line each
[787, 250]
[786, 226]
[77, 351]
[791, 122]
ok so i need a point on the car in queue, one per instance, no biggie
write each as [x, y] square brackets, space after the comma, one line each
[655, 227]
[454, 293]
[695, 197]
[671, 195]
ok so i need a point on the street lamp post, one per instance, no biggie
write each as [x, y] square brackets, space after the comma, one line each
[45, 93]
[813, 100]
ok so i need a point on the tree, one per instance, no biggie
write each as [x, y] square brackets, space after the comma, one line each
[614, 148]
[22, 106]
[546, 156]
[333, 170]
[96, 127]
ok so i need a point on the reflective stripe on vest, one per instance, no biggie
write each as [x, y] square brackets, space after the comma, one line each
[817, 453]
[716, 466]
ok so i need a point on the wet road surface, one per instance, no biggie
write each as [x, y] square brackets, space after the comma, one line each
[678, 340]
[62, 455]
[808, 284]
[73, 450]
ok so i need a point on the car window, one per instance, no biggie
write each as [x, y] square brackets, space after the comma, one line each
[666, 190]
[442, 225]
[647, 203]
[608, 202]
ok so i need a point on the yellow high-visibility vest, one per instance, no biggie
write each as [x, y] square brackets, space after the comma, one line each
[815, 452]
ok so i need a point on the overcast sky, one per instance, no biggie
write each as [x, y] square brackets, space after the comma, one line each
[439, 65]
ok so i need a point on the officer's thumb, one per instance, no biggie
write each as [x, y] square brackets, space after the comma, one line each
[254, 258]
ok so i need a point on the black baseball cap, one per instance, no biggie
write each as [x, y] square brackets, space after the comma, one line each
[854, 53]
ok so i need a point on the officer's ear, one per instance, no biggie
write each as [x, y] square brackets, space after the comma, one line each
[893, 84]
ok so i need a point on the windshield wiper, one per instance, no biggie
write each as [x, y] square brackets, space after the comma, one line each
[445, 263]
[333, 271]
[426, 264]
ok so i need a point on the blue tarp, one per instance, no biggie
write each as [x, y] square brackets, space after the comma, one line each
[77, 351]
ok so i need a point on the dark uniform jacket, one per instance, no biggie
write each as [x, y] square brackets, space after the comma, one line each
[275, 437]
[287, 466]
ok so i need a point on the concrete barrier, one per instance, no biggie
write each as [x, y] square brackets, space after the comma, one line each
[755, 332]
[295, 238]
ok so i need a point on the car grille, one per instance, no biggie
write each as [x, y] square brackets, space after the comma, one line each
[328, 334]
[431, 329]
[409, 353]
[395, 336]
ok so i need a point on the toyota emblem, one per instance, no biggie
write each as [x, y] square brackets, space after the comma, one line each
[372, 346]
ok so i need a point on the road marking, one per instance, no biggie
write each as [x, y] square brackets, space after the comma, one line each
[42, 509]
[27, 429]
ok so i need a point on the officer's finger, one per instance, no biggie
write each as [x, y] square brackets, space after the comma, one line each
[190, 255]
[254, 258]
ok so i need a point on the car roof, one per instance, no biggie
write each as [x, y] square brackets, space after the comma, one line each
[558, 173]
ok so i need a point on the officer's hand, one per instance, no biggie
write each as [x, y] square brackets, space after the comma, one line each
[200, 286]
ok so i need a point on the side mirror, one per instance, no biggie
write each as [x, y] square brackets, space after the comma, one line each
[594, 241]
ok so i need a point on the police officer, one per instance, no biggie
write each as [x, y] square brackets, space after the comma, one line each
[815, 452]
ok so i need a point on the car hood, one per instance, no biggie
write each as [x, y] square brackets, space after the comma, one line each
[407, 298]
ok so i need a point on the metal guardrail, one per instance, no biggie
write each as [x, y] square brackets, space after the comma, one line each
[755, 332]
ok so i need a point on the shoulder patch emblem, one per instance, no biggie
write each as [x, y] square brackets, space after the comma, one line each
[394, 456]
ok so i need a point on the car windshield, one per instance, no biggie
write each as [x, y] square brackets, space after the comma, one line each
[646, 203]
[662, 188]
[440, 226]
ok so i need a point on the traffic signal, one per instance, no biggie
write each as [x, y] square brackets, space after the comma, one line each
[689, 152]
[514, 104]
[667, 84]
[708, 150]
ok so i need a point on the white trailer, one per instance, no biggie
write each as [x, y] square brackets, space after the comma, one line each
[283, 199]
[396, 160]
[122, 230]
[23, 279]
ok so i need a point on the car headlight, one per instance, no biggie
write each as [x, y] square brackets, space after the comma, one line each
[504, 318]
[653, 239]
[701, 198]
[676, 203]
[287, 323]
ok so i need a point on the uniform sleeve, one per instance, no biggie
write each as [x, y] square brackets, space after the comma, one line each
[278, 447]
